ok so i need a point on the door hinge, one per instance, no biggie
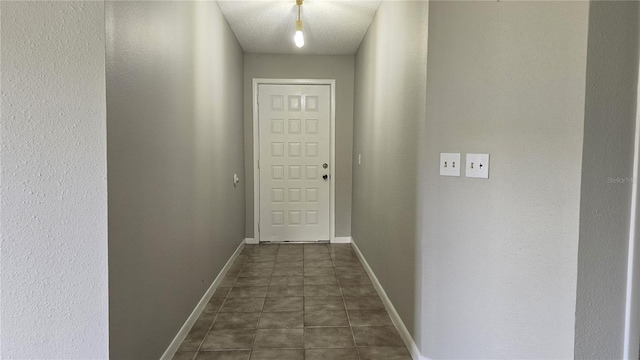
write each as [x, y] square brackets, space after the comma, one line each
[258, 163]
[258, 226]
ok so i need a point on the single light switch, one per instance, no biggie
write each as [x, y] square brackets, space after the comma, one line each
[477, 166]
[450, 164]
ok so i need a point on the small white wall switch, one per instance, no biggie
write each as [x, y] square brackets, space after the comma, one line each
[477, 166]
[450, 164]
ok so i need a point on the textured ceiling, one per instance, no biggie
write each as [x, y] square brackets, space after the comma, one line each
[330, 27]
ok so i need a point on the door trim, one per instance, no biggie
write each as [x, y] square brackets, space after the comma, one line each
[256, 148]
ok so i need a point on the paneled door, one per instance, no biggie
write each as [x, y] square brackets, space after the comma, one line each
[295, 150]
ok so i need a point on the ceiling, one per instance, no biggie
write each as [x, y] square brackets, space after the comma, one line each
[330, 27]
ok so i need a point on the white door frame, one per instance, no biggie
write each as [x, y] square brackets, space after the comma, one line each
[256, 149]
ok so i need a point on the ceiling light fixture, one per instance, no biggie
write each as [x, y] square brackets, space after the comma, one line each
[298, 38]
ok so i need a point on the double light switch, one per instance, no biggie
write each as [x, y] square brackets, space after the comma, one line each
[476, 165]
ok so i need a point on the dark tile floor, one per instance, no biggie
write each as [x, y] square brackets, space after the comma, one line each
[290, 302]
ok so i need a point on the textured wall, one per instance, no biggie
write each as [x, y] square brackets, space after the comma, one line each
[607, 171]
[390, 92]
[500, 255]
[54, 189]
[175, 139]
[339, 68]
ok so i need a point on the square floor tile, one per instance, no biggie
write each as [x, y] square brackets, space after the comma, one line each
[193, 340]
[378, 336]
[326, 303]
[369, 318]
[311, 247]
[261, 258]
[317, 256]
[362, 302]
[249, 265]
[236, 321]
[328, 337]
[279, 304]
[318, 263]
[286, 281]
[229, 339]
[242, 305]
[279, 339]
[184, 355]
[285, 291]
[383, 353]
[288, 271]
[278, 354]
[289, 257]
[281, 320]
[255, 272]
[248, 291]
[213, 306]
[224, 355]
[319, 271]
[228, 281]
[320, 280]
[346, 255]
[197, 333]
[265, 248]
[331, 354]
[359, 290]
[350, 280]
[221, 291]
[346, 263]
[326, 318]
[322, 290]
[288, 264]
[345, 271]
[251, 281]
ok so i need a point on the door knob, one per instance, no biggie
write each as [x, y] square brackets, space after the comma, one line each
[325, 176]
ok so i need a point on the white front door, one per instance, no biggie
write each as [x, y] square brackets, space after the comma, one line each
[294, 137]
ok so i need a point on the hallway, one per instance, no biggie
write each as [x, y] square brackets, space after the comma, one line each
[319, 304]
[131, 169]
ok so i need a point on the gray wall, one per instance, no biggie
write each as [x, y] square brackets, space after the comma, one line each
[390, 94]
[54, 301]
[175, 139]
[607, 172]
[506, 79]
[339, 68]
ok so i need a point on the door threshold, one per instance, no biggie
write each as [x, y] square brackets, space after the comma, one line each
[294, 242]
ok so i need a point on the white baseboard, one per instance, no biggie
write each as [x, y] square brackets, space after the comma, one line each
[395, 318]
[250, 241]
[342, 240]
[184, 330]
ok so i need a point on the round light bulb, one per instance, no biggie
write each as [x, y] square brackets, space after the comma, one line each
[299, 39]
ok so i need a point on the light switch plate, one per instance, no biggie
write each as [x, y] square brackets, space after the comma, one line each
[477, 166]
[450, 164]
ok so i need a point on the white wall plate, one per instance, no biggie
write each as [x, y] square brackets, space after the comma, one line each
[450, 164]
[477, 166]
